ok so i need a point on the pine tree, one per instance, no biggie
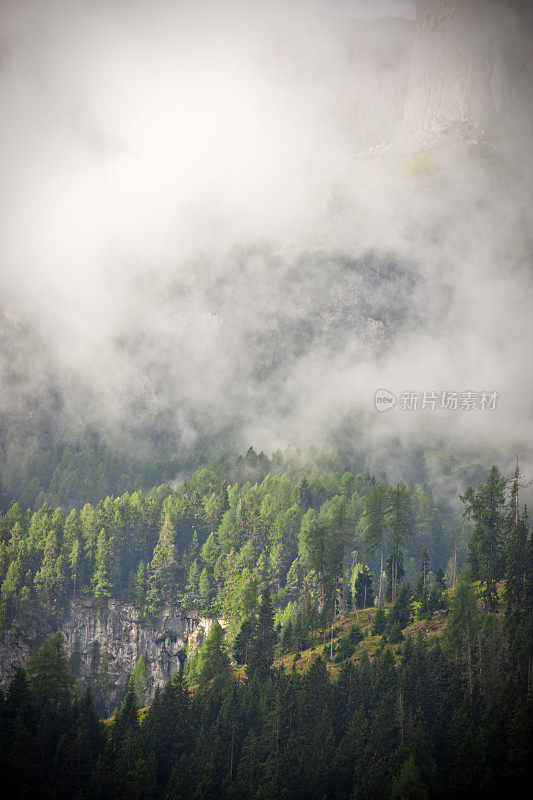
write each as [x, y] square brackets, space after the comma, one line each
[389, 572]
[399, 512]
[380, 622]
[364, 593]
[138, 678]
[263, 640]
[140, 585]
[424, 566]
[462, 625]
[213, 663]
[374, 527]
[101, 583]
[485, 505]
[48, 674]
[162, 576]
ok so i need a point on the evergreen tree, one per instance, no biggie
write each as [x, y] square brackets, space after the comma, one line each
[389, 571]
[139, 679]
[485, 505]
[399, 512]
[424, 566]
[140, 585]
[243, 639]
[364, 594]
[101, 582]
[48, 674]
[380, 622]
[462, 625]
[261, 647]
[213, 663]
[162, 575]
[374, 527]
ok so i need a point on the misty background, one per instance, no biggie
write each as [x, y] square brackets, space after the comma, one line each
[226, 225]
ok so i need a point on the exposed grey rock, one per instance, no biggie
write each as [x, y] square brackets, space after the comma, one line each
[122, 633]
[471, 69]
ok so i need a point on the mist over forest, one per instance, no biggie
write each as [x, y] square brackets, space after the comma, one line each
[265, 399]
[229, 225]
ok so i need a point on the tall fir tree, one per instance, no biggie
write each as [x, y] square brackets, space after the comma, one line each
[263, 640]
[485, 505]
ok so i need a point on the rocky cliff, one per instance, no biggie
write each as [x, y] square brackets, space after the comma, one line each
[471, 68]
[121, 634]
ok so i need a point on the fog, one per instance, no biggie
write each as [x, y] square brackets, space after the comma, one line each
[215, 220]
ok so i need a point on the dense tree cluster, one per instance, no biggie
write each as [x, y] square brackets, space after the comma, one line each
[316, 540]
[422, 718]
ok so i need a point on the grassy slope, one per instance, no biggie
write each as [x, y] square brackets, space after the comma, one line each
[370, 644]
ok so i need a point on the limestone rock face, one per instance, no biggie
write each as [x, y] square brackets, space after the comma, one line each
[122, 633]
[471, 67]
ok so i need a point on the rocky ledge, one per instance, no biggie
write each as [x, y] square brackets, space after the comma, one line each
[121, 634]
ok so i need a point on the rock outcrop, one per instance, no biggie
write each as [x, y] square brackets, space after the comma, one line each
[121, 634]
[471, 68]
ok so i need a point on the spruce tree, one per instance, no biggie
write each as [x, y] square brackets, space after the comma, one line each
[263, 639]
[399, 512]
[485, 505]
[364, 594]
[374, 528]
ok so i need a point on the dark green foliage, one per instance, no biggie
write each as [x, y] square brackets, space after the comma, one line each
[400, 613]
[364, 592]
[393, 632]
[440, 580]
[485, 505]
[262, 641]
[420, 720]
[407, 727]
[244, 637]
[399, 521]
[346, 646]
[380, 622]
[408, 783]
[48, 673]
[389, 571]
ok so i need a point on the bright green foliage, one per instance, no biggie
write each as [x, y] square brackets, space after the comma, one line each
[213, 663]
[162, 573]
[139, 679]
[49, 580]
[101, 582]
[210, 546]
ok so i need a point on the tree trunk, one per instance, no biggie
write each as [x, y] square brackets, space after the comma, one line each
[343, 585]
[381, 575]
